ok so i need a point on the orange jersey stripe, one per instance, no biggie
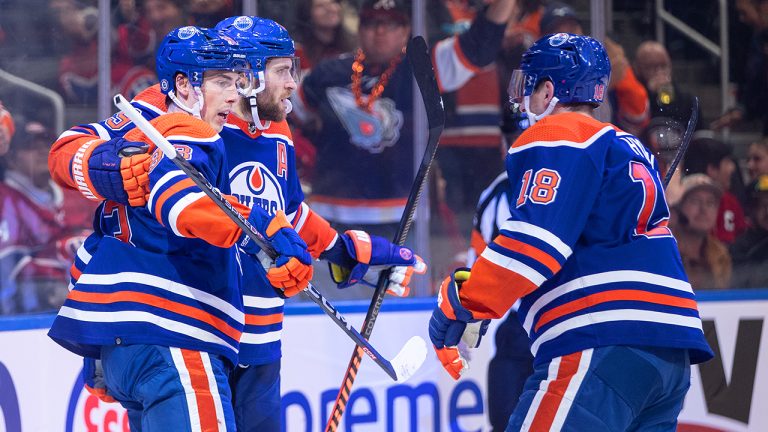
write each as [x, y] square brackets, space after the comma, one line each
[491, 290]
[206, 407]
[545, 414]
[183, 184]
[75, 272]
[568, 126]
[261, 320]
[530, 251]
[158, 302]
[316, 232]
[477, 242]
[615, 295]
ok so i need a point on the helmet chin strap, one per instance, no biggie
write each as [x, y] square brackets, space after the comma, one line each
[254, 106]
[196, 108]
[532, 117]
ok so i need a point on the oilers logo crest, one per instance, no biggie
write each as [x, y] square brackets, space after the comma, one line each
[253, 184]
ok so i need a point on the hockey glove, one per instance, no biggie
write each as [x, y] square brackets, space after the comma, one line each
[293, 265]
[356, 251]
[93, 375]
[117, 170]
[452, 322]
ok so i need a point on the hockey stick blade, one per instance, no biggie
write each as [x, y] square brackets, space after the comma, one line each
[687, 135]
[410, 358]
[199, 179]
[417, 53]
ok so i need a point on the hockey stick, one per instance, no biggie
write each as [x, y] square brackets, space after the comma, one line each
[413, 353]
[684, 142]
[417, 53]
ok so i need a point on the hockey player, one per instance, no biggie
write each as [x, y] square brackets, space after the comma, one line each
[261, 158]
[159, 301]
[588, 252]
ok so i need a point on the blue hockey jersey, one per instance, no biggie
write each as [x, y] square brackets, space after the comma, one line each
[587, 247]
[164, 274]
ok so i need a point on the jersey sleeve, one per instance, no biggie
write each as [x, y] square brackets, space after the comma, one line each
[555, 183]
[633, 108]
[175, 200]
[459, 58]
[71, 148]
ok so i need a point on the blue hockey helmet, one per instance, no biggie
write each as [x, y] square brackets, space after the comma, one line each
[262, 39]
[577, 66]
[193, 50]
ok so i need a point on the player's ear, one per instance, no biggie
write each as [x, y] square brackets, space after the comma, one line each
[183, 87]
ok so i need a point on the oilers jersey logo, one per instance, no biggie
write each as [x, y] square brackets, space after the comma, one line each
[373, 131]
[253, 184]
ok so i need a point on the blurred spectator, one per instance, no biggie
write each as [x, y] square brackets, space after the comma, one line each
[663, 137]
[320, 32]
[364, 103]
[715, 159]
[36, 244]
[706, 260]
[757, 160]
[470, 145]
[653, 68]
[78, 67]
[628, 100]
[207, 13]
[752, 92]
[750, 251]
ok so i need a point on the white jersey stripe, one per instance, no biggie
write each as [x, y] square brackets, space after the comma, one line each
[262, 302]
[163, 180]
[554, 367]
[514, 265]
[570, 392]
[83, 254]
[304, 208]
[452, 72]
[260, 338]
[611, 316]
[178, 207]
[563, 143]
[178, 139]
[214, 387]
[167, 285]
[539, 233]
[632, 276]
[189, 391]
[103, 133]
[145, 317]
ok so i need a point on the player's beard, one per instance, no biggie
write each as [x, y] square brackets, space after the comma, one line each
[269, 109]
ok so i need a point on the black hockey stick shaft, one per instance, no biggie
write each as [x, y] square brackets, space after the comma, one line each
[199, 179]
[684, 142]
[417, 53]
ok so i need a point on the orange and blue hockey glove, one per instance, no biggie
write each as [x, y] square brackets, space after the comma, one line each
[293, 265]
[116, 170]
[451, 322]
[355, 252]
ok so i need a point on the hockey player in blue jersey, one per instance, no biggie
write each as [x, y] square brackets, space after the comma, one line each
[262, 173]
[158, 298]
[612, 319]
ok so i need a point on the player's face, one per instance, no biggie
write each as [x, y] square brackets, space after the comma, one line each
[757, 160]
[700, 208]
[219, 96]
[280, 83]
[383, 39]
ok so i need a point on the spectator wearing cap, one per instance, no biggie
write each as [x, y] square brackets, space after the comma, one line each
[715, 159]
[750, 251]
[358, 112]
[36, 245]
[653, 67]
[706, 260]
[628, 98]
